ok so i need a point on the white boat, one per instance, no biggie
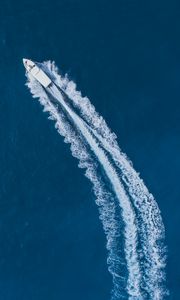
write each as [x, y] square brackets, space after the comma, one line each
[37, 73]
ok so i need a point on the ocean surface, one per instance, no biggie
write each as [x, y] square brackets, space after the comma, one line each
[125, 56]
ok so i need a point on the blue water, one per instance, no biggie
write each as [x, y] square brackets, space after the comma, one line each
[125, 57]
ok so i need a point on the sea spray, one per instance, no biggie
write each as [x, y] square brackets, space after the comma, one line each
[145, 278]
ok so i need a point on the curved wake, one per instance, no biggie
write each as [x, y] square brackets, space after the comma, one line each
[130, 215]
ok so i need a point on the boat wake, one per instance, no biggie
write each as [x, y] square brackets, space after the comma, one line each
[130, 216]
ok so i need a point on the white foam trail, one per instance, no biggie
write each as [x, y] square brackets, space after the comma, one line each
[150, 226]
[152, 233]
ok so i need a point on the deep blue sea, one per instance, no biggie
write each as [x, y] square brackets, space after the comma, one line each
[125, 56]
